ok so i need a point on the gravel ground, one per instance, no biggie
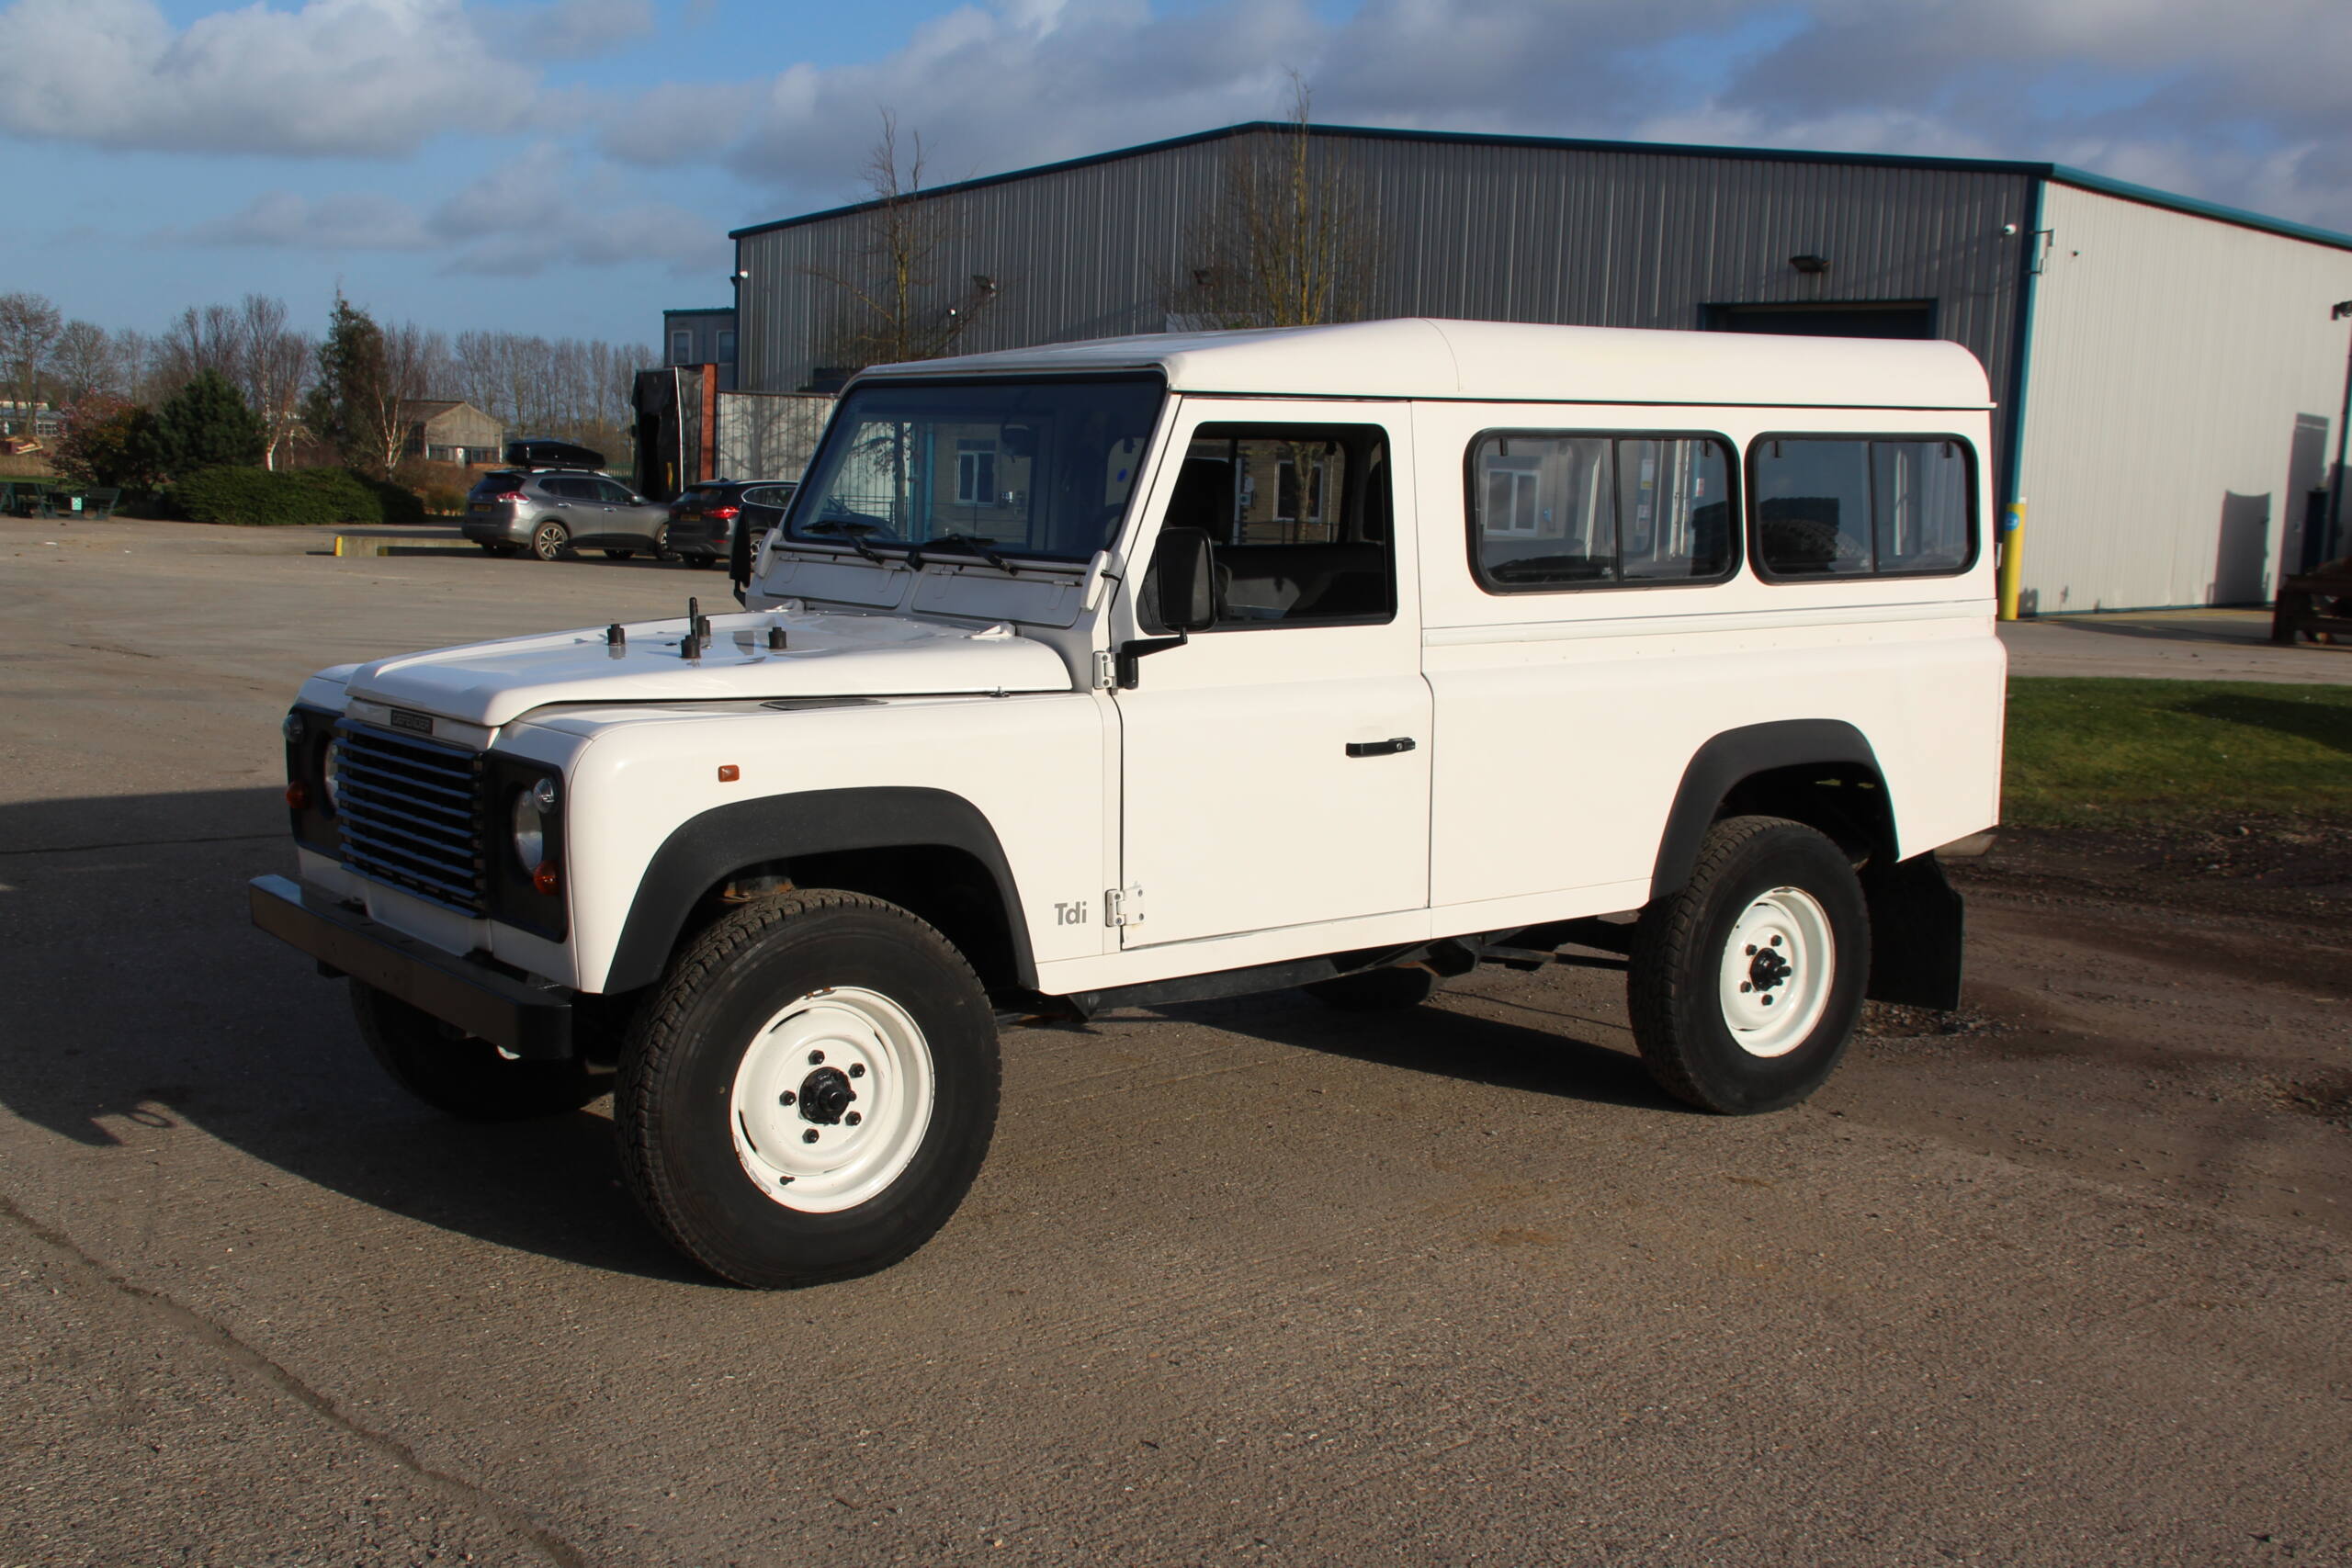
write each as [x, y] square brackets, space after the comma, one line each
[2060, 1279]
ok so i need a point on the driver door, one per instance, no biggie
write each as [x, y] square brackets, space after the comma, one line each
[1276, 765]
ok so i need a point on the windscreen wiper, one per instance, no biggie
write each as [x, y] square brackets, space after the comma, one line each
[850, 533]
[963, 544]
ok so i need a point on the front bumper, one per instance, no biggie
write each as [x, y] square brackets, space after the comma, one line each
[530, 1021]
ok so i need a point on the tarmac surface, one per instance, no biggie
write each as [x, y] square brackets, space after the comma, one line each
[2060, 1280]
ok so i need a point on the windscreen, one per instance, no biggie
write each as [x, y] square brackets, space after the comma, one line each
[1027, 467]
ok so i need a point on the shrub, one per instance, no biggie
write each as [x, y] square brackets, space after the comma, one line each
[110, 443]
[251, 497]
[358, 499]
[442, 487]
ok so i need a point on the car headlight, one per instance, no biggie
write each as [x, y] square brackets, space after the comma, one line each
[533, 806]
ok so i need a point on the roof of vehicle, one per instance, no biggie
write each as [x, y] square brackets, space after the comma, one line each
[1516, 362]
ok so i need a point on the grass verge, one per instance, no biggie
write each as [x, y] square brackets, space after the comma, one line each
[2090, 752]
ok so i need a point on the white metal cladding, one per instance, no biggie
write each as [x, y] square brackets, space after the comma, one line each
[2183, 387]
[1474, 229]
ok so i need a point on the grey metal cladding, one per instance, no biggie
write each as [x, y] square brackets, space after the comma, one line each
[1500, 230]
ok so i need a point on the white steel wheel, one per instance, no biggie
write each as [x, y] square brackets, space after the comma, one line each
[809, 1090]
[1744, 984]
[832, 1099]
[1778, 968]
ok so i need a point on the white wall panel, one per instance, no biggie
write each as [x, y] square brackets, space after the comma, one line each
[2182, 388]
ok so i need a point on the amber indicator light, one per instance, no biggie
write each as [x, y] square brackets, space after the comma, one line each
[728, 772]
[543, 880]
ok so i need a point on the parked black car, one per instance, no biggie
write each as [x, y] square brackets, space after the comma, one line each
[703, 520]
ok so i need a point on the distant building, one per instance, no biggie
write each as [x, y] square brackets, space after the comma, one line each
[445, 430]
[701, 337]
[2169, 376]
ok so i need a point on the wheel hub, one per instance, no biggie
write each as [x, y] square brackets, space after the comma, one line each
[825, 1096]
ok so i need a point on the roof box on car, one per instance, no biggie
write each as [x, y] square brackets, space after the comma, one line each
[542, 452]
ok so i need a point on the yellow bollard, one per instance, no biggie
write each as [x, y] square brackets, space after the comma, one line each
[2012, 567]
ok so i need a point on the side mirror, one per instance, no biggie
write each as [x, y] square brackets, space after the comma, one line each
[1181, 584]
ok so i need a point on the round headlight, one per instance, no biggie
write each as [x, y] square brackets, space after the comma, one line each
[530, 830]
[331, 775]
[293, 727]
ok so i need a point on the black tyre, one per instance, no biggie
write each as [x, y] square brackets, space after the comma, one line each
[1744, 985]
[489, 549]
[550, 541]
[457, 1072]
[1375, 990]
[662, 550]
[811, 1092]
[619, 555]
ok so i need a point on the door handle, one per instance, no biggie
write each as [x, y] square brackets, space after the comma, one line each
[1380, 748]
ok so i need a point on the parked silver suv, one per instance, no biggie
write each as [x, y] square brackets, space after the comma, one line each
[552, 511]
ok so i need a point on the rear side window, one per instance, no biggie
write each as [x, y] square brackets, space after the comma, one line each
[1552, 510]
[1862, 506]
[498, 483]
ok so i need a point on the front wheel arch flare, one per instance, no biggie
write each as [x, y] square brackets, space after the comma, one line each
[708, 850]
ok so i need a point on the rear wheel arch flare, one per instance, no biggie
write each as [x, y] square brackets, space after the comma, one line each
[1776, 768]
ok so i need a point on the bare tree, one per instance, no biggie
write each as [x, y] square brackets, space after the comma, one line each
[30, 326]
[1293, 239]
[892, 303]
[573, 388]
[212, 338]
[273, 369]
[85, 361]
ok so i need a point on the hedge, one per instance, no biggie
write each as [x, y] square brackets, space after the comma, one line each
[303, 498]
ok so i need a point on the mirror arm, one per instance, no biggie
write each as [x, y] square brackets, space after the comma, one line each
[1128, 661]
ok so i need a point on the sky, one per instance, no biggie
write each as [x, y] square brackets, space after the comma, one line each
[571, 167]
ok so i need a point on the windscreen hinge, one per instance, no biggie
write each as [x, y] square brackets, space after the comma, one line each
[1106, 670]
[1123, 907]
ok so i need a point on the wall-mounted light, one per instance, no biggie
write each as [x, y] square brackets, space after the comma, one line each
[1812, 266]
[984, 283]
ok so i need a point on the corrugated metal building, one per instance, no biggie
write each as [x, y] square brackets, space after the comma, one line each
[2171, 378]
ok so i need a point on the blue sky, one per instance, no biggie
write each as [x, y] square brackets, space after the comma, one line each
[571, 166]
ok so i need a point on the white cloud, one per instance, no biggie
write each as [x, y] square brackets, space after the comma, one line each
[2223, 99]
[566, 30]
[364, 77]
[353, 221]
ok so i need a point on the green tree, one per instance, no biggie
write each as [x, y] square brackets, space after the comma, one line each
[111, 443]
[352, 406]
[207, 424]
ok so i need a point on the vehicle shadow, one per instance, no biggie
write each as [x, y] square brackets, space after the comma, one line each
[2324, 724]
[1440, 1042]
[141, 1001]
[2250, 634]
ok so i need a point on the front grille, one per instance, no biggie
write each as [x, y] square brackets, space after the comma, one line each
[411, 812]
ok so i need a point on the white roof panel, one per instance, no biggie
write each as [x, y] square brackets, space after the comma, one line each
[1516, 362]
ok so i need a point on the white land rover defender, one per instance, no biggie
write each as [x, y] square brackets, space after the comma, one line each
[1167, 667]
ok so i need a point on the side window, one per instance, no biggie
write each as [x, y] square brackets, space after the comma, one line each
[1298, 521]
[1551, 510]
[560, 488]
[611, 492]
[1850, 506]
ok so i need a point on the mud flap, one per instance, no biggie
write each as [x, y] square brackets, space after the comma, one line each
[1917, 924]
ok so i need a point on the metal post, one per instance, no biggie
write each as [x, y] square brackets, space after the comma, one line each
[2012, 567]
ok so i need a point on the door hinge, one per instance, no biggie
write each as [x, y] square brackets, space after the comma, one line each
[1106, 670]
[1123, 907]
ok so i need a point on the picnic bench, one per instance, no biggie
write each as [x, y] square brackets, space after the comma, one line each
[2316, 606]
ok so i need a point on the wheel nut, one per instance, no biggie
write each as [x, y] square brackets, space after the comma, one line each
[857, 1069]
[1768, 1002]
[1745, 987]
[809, 1136]
[816, 1058]
[1751, 950]
[786, 1098]
[1776, 941]
[852, 1118]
